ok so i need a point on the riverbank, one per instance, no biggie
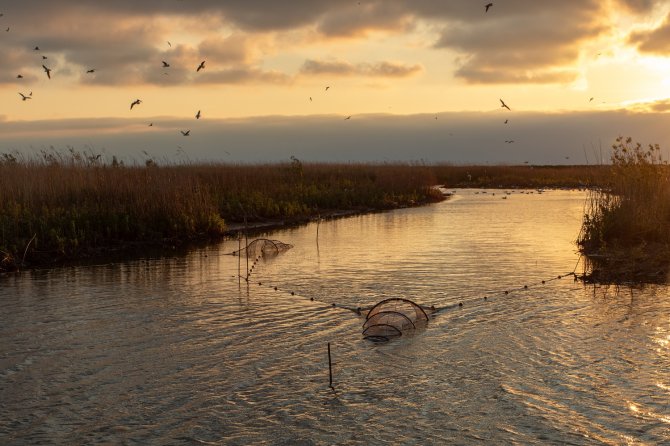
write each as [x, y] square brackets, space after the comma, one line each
[58, 211]
[625, 233]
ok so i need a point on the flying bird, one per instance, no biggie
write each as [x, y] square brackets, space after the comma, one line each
[134, 103]
[185, 133]
[327, 88]
[92, 70]
[151, 124]
[348, 117]
[47, 71]
[44, 57]
[169, 44]
[310, 99]
[590, 99]
[201, 66]
[20, 76]
[197, 115]
[24, 97]
[506, 121]
[165, 64]
[487, 6]
[504, 105]
[509, 141]
[37, 48]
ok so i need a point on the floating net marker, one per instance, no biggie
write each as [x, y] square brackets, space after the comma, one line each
[392, 317]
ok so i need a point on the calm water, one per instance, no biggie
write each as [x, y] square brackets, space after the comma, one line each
[175, 351]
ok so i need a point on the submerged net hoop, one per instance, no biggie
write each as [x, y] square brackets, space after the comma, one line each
[262, 247]
[391, 318]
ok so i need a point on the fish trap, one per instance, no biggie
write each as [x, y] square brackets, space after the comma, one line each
[262, 247]
[391, 318]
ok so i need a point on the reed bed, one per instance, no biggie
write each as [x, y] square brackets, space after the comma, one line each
[523, 176]
[62, 207]
[625, 229]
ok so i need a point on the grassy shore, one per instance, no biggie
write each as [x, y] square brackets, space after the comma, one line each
[60, 208]
[63, 207]
[625, 234]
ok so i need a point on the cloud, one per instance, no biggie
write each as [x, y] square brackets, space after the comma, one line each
[517, 41]
[521, 44]
[343, 68]
[655, 41]
[656, 106]
[358, 20]
[638, 6]
[243, 75]
[540, 138]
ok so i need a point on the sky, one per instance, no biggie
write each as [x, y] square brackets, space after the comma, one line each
[335, 81]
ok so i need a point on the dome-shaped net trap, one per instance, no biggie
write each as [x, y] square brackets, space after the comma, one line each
[392, 317]
[262, 247]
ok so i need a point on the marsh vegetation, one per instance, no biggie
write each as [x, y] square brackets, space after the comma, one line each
[625, 229]
[64, 206]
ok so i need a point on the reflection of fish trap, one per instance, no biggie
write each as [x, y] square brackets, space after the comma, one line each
[262, 247]
[392, 317]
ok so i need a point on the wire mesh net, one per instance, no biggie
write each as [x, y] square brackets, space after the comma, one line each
[392, 317]
[262, 247]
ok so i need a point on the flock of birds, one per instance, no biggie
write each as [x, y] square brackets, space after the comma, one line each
[201, 66]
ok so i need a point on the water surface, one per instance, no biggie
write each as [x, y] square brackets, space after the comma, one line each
[179, 351]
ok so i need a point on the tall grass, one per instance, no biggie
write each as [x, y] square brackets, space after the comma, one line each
[527, 176]
[625, 228]
[73, 205]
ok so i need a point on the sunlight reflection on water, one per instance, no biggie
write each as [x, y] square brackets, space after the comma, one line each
[171, 350]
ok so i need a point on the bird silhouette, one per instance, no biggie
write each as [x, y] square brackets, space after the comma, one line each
[19, 76]
[487, 6]
[134, 103]
[151, 124]
[504, 105]
[44, 57]
[24, 97]
[185, 133]
[169, 44]
[310, 99]
[201, 66]
[37, 48]
[92, 70]
[506, 121]
[348, 117]
[327, 88]
[165, 64]
[590, 99]
[47, 71]
[197, 115]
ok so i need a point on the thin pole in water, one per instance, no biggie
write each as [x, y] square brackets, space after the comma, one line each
[246, 242]
[239, 259]
[330, 369]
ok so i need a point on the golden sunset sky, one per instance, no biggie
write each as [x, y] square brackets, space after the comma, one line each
[421, 79]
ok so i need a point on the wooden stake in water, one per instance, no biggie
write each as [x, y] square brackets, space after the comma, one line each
[239, 259]
[246, 241]
[330, 369]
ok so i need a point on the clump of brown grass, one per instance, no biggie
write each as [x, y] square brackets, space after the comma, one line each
[625, 226]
